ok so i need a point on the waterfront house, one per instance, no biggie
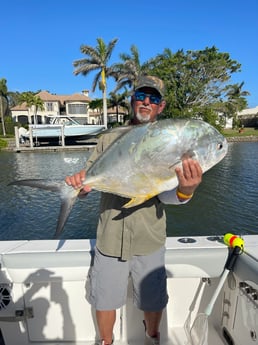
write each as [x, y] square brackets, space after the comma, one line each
[75, 106]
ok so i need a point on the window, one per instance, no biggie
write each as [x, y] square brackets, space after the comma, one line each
[77, 108]
[50, 106]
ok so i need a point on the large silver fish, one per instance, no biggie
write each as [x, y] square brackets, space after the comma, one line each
[141, 162]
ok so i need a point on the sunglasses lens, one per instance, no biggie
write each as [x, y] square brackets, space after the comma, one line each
[154, 99]
[140, 96]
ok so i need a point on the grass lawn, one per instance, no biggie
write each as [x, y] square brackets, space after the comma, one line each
[235, 132]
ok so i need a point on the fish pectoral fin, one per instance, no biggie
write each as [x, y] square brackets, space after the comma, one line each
[138, 200]
[188, 154]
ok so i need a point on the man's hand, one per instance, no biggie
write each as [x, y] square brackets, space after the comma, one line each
[76, 181]
[189, 177]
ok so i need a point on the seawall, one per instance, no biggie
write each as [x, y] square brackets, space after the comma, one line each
[242, 139]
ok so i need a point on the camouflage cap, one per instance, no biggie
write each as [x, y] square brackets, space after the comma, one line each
[151, 81]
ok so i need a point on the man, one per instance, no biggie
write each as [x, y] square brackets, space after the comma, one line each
[130, 242]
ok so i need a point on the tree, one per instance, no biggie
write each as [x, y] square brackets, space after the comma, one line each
[96, 104]
[194, 80]
[236, 100]
[32, 101]
[128, 71]
[13, 98]
[3, 102]
[118, 100]
[97, 59]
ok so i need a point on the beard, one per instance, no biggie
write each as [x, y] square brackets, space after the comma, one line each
[142, 118]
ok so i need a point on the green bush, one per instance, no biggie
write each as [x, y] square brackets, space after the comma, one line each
[9, 126]
[3, 144]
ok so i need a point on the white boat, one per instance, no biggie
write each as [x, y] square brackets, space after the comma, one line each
[44, 287]
[61, 126]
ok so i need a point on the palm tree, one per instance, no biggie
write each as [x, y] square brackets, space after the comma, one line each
[96, 104]
[3, 102]
[236, 100]
[127, 72]
[97, 59]
[13, 98]
[32, 101]
[118, 100]
[38, 105]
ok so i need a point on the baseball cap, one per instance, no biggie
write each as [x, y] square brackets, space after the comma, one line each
[151, 81]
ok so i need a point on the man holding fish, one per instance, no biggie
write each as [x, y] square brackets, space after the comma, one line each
[131, 241]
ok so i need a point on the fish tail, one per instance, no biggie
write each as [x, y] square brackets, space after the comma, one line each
[67, 194]
[65, 210]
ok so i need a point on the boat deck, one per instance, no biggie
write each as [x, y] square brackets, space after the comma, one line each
[45, 286]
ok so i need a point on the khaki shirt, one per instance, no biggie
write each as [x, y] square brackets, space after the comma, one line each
[121, 232]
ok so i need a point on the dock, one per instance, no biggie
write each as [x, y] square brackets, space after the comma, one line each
[82, 145]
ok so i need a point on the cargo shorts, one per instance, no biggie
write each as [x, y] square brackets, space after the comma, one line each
[108, 281]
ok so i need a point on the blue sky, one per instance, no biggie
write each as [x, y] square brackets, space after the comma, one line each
[41, 39]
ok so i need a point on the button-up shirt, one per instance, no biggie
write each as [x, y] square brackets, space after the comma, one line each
[138, 230]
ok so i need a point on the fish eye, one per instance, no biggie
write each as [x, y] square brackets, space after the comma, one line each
[220, 146]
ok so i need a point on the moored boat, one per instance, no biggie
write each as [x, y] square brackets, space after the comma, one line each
[61, 126]
[43, 293]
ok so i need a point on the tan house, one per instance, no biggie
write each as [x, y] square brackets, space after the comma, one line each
[75, 106]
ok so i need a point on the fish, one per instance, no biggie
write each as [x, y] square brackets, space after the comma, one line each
[141, 162]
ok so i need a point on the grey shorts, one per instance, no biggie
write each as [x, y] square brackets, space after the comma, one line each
[108, 281]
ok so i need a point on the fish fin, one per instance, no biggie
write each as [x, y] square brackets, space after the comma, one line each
[188, 154]
[138, 200]
[65, 210]
[120, 130]
[67, 194]
[52, 185]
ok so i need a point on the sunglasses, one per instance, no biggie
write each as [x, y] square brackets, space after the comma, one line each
[140, 96]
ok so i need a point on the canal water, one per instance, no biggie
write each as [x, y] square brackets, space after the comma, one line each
[226, 201]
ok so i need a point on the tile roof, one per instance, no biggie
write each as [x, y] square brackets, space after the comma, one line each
[22, 106]
[46, 96]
